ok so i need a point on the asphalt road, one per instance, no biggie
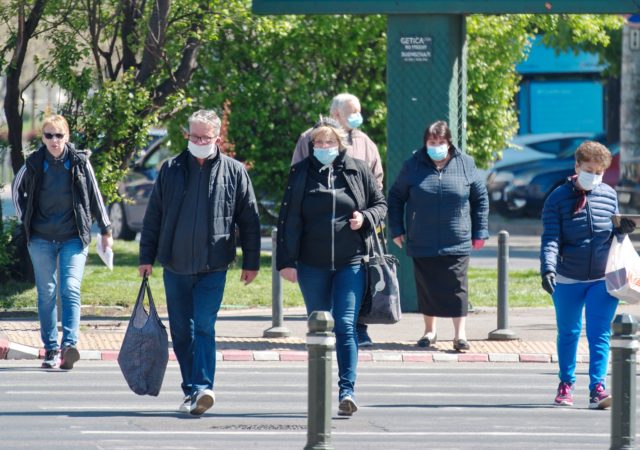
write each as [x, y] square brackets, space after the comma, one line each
[263, 405]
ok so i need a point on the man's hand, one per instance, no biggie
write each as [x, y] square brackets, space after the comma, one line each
[549, 282]
[356, 220]
[145, 269]
[398, 240]
[247, 276]
[289, 274]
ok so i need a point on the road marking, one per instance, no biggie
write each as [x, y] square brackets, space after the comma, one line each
[223, 393]
[347, 433]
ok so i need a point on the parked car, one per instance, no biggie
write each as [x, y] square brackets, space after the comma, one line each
[126, 216]
[520, 189]
[531, 147]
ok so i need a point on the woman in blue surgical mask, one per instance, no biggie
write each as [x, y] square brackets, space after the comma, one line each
[575, 244]
[438, 211]
[330, 206]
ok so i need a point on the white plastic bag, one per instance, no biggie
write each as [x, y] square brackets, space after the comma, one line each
[622, 275]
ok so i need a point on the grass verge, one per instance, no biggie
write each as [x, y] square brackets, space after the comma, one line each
[100, 287]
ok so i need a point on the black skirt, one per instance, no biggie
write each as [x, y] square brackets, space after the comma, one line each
[442, 285]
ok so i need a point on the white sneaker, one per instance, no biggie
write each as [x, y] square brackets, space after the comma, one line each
[347, 406]
[202, 401]
[185, 406]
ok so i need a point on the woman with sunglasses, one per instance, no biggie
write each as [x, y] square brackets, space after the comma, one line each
[56, 197]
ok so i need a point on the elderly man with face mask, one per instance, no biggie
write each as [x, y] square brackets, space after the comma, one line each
[345, 108]
[189, 227]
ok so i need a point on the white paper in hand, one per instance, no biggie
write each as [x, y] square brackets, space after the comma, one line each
[105, 256]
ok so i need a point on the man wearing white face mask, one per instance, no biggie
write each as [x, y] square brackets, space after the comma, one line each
[189, 227]
[573, 256]
[345, 108]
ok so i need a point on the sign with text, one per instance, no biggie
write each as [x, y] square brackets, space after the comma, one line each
[415, 49]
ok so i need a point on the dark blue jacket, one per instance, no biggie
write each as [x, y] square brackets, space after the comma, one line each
[577, 245]
[231, 202]
[444, 209]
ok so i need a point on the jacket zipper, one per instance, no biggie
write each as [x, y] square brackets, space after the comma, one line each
[590, 219]
[195, 221]
[333, 217]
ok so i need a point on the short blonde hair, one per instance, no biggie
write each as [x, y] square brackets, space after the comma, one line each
[329, 127]
[591, 151]
[57, 121]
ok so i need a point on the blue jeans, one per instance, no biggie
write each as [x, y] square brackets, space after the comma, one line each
[599, 307]
[340, 292]
[193, 302]
[44, 256]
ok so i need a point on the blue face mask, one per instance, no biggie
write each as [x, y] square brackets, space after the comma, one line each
[354, 120]
[325, 155]
[439, 152]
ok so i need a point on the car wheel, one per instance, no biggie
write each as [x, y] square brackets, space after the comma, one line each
[119, 227]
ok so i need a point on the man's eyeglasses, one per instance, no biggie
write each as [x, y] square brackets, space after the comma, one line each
[201, 139]
[53, 135]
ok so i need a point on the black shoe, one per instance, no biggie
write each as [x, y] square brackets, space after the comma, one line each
[460, 344]
[425, 341]
[70, 355]
[51, 359]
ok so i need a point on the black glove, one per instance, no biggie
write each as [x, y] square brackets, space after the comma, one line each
[549, 282]
[626, 226]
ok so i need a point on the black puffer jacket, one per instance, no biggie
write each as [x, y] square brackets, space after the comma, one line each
[362, 185]
[231, 202]
[87, 200]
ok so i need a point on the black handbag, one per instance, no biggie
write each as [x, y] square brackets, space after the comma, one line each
[144, 352]
[381, 301]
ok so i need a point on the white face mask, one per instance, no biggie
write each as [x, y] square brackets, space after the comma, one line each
[588, 181]
[202, 151]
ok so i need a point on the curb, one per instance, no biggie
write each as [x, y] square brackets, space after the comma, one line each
[14, 351]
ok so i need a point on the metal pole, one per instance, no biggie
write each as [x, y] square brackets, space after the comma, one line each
[503, 333]
[277, 314]
[624, 345]
[320, 341]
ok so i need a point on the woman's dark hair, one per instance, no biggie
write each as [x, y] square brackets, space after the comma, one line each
[438, 129]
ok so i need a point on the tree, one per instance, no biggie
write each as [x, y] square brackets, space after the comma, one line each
[279, 74]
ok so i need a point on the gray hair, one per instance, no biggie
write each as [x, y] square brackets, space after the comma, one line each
[340, 102]
[208, 117]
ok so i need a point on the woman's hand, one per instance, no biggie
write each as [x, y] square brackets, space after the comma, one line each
[477, 244]
[107, 241]
[356, 220]
[398, 240]
[289, 274]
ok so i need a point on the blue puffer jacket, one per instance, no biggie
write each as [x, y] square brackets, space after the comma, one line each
[577, 245]
[444, 209]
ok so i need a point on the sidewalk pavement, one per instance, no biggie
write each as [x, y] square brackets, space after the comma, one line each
[239, 337]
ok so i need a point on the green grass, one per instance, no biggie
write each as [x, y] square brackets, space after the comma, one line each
[100, 287]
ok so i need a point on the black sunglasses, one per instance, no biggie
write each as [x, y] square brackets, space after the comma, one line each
[52, 135]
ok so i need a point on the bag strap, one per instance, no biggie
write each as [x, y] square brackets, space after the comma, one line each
[145, 288]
